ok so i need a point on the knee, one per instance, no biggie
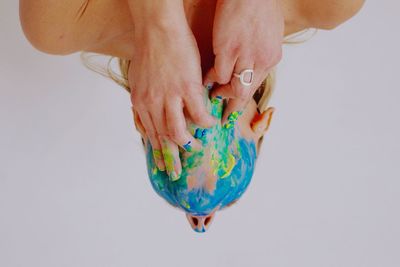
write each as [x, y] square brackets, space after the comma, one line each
[44, 33]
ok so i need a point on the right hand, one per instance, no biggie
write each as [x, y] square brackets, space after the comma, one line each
[165, 77]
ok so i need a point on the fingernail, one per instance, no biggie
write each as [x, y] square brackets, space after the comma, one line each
[209, 85]
[232, 118]
[168, 161]
[228, 125]
[173, 176]
[200, 133]
[216, 100]
[188, 146]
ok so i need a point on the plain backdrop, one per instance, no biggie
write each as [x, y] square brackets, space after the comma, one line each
[74, 190]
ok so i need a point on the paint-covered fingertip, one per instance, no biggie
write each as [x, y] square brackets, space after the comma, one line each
[174, 176]
[157, 155]
[188, 146]
[208, 85]
[160, 166]
[196, 146]
[216, 100]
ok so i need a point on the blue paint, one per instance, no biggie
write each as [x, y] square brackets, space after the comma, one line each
[204, 132]
[209, 86]
[192, 192]
[188, 146]
[200, 201]
[200, 133]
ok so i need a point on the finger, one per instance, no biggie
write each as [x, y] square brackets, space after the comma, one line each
[222, 70]
[210, 77]
[196, 105]
[240, 90]
[138, 123]
[223, 91]
[235, 106]
[169, 149]
[153, 138]
[172, 161]
[233, 109]
[235, 89]
[177, 129]
[159, 119]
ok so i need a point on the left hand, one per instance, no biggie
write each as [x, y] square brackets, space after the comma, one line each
[246, 35]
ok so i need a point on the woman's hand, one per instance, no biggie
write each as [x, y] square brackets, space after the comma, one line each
[246, 35]
[165, 77]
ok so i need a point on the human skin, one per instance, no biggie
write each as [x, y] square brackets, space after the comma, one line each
[161, 90]
[159, 94]
[216, 176]
[108, 27]
[67, 27]
[241, 40]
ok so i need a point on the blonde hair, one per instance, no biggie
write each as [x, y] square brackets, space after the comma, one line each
[261, 96]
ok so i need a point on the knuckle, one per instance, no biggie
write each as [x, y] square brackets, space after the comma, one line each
[233, 49]
[152, 136]
[196, 116]
[222, 76]
[264, 59]
[176, 135]
[163, 133]
[139, 107]
[149, 100]
[192, 88]
[150, 97]
[142, 101]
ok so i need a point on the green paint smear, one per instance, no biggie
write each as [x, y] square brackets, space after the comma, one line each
[225, 150]
[220, 138]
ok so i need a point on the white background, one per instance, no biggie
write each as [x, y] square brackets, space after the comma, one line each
[326, 192]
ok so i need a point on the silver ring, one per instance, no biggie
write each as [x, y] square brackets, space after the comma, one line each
[241, 76]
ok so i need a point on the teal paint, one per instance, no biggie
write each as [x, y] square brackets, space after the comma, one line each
[199, 201]
[188, 146]
[213, 177]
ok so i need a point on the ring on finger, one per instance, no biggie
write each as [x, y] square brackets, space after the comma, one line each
[242, 74]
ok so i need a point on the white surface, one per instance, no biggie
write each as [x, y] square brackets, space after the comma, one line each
[73, 184]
